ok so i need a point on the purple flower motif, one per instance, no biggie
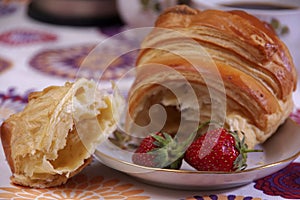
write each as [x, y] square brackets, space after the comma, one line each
[10, 103]
[284, 183]
[222, 197]
[18, 37]
[78, 61]
[6, 9]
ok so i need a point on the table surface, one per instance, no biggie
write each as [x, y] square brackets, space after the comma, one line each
[34, 55]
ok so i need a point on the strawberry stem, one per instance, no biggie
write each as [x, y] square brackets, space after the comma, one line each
[252, 150]
[203, 125]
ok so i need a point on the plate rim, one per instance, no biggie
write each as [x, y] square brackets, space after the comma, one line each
[280, 162]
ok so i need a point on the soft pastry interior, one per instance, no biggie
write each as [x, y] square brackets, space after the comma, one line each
[241, 73]
[54, 137]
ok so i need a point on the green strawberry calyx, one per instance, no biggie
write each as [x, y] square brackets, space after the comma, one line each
[170, 151]
[240, 162]
[166, 155]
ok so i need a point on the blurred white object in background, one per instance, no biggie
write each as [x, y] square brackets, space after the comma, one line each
[143, 13]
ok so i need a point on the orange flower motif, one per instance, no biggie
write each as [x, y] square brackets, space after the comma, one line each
[78, 187]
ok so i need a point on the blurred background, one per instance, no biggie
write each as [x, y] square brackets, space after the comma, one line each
[51, 38]
[99, 12]
[283, 16]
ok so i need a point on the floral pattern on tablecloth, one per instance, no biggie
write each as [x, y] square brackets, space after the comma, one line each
[82, 187]
[25, 36]
[84, 60]
[4, 64]
[223, 197]
[284, 183]
[7, 9]
[11, 102]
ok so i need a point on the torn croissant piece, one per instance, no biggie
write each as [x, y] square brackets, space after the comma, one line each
[54, 137]
[219, 53]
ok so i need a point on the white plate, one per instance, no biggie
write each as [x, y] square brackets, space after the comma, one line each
[279, 150]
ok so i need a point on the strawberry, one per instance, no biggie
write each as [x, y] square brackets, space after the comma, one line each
[156, 151]
[218, 150]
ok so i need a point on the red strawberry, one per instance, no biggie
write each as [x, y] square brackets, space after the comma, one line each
[218, 150]
[154, 151]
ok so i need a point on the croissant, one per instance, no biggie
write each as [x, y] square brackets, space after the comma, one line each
[237, 70]
[55, 135]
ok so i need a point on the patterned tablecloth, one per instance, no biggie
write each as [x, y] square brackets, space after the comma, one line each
[34, 55]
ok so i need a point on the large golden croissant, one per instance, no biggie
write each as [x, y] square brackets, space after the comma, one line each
[216, 52]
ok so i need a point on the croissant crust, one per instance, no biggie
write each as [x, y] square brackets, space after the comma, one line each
[55, 135]
[255, 66]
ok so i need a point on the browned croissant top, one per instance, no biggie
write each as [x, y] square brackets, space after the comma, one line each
[228, 49]
[242, 40]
